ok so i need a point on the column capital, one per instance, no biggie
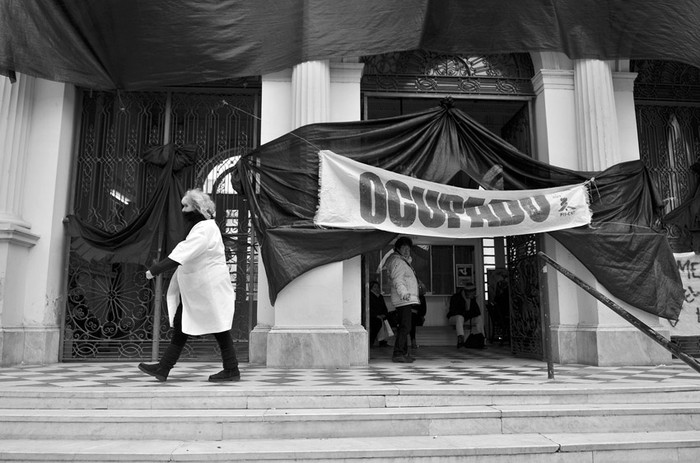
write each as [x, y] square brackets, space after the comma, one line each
[624, 81]
[553, 79]
[346, 72]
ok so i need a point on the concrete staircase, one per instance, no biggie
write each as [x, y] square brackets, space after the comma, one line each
[543, 423]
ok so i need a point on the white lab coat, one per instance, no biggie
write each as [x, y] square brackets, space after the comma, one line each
[202, 281]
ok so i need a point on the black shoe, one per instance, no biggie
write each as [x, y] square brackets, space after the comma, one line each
[225, 375]
[402, 359]
[460, 341]
[154, 369]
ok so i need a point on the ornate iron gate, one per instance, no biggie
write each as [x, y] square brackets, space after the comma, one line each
[526, 320]
[526, 329]
[110, 306]
[667, 106]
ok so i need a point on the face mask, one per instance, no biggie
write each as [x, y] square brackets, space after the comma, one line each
[191, 216]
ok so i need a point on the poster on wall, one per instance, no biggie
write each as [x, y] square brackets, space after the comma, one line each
[465, 274]
[689, 319]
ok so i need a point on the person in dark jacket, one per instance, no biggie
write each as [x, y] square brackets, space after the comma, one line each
[463, 307]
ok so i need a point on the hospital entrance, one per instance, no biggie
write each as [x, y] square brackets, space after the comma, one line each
[507, 279]
[497, 92]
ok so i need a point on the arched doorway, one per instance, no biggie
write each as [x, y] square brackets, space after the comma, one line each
[496, 91]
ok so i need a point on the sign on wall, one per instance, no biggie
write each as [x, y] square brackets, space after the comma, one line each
[465, 274]
[689, 319]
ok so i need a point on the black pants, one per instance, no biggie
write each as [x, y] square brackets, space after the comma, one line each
[180, 339]
[404, 316]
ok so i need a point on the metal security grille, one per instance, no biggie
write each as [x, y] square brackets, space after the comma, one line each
[425, 72]
[526, 329]
[667, 106]
[112, 311]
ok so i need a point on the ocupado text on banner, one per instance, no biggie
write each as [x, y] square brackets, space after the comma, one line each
[358, 196]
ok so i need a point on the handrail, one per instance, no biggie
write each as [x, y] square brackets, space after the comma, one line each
[637, 323]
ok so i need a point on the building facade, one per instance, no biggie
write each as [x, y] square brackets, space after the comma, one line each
[581, 115]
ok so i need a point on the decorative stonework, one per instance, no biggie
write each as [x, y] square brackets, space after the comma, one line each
[428, 72]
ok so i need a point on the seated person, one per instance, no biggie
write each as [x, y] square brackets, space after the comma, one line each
[463, 306]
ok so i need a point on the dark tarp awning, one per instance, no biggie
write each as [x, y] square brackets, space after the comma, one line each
[280, 179]
[137, 44]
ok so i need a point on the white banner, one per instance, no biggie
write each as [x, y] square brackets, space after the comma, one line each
[689, 318]
[358, 196]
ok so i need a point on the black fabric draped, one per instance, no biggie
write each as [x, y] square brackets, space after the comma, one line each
[140, 44]
[133, 243]
[280, 179]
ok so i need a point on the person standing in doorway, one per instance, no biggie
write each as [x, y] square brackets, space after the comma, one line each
[404, 295]
[200, 296]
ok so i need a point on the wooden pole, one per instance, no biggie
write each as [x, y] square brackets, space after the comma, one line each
[637, 323]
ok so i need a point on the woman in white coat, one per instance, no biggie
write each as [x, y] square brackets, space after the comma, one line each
[200, 297]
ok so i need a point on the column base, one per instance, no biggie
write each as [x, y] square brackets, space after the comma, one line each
[29, 346]
[616, 346]
[257, 345]
[315, 347]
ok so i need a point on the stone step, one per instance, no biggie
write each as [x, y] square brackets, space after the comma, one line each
[288, 423]
[636, 447]
[225, 398]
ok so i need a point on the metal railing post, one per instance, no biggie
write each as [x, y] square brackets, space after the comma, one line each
[544, 303]
[637, 323]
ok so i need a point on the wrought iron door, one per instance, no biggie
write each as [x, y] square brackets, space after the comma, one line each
[110, 309]
[526, 320]
[667, 106]
[526, 329]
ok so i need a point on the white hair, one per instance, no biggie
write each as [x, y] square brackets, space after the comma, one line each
[201, 202]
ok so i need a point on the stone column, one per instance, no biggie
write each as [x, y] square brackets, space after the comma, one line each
[556, 144]
[313, 322]
[36, 136]
[603, 337]
[596, 117]
[623, 86]
[275, 110]
[16, 100]
[16, 237]
[311, 82]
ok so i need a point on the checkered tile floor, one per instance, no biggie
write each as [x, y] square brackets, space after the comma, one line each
[434, 366]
